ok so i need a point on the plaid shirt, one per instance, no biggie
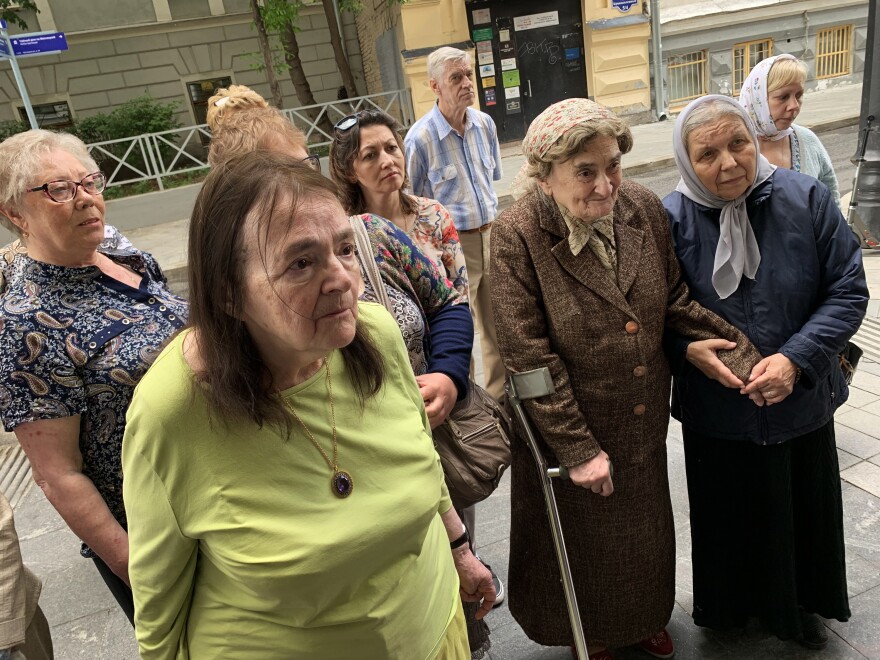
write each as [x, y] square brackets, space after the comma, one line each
[456, 170]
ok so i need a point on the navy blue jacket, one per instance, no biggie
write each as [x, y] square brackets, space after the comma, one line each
[807, 299]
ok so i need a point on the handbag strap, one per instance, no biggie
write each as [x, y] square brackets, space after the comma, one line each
[367, 261]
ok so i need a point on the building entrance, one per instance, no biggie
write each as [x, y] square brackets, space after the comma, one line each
[526, 60]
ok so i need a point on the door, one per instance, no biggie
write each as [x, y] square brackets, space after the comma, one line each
[526, 61]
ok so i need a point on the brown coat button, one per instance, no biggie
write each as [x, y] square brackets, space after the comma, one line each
[640, 371]
[639, 409]
[632, 327]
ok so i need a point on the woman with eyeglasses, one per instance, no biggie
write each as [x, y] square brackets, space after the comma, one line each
[80, 326]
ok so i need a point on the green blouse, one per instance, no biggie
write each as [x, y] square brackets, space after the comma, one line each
[238, 548]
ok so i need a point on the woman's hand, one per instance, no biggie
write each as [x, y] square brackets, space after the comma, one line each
[772, 378]
[439, 394]
[475, 580]
[703, 355]
[594, 474]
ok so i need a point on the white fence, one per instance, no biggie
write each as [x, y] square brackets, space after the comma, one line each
[152, 156]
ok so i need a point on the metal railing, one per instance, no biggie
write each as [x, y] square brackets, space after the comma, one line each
[686, 78]
[153, 156]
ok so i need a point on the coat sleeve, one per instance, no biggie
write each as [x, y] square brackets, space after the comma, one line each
[687, 320]
[162, 560]
[842, 297]
[524, 344]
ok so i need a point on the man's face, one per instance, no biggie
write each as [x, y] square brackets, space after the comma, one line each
[455, 88]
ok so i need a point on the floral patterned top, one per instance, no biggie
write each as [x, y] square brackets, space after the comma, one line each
[435, 233]
[420, 295]
[74, 341]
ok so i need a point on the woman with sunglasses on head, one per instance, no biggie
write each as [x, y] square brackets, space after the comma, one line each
[80, 326]
[368, 165]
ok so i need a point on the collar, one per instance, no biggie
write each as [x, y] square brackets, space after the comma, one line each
[443, 127]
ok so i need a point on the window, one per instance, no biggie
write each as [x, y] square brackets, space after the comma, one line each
[200, 91]
[50, 115]
[745, 57]
[834, 52]
[687, 78]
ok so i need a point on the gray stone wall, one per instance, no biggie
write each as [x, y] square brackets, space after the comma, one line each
[794, 34]
[94, 14]
[105, 68]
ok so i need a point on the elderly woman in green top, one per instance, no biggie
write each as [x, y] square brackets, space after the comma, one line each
[283, 493]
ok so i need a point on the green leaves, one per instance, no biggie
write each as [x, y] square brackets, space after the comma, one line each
[11, 15]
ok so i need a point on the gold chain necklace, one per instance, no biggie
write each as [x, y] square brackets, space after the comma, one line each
[341, 482]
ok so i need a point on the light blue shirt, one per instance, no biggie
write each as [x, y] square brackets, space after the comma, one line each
[456, 170]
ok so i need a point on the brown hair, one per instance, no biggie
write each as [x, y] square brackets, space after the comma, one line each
[248, 188]
[344, 149]
[241, 120]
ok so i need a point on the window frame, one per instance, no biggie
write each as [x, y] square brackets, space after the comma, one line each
[671, 66]
[746, 46]
[825, 60]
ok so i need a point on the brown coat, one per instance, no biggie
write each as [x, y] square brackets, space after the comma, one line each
[603, 345]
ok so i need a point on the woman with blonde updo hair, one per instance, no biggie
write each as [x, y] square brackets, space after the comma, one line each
[241, 120]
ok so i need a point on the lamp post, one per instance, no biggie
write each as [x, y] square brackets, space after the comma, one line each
[865, 206]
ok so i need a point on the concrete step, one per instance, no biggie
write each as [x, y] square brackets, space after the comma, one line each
[868, 338]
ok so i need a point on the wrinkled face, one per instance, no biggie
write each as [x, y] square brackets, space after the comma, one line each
[56, 230]
[379, 166]
[724, 156]
[301, 294]
[785, 105]
[456, 89]
[587, 183]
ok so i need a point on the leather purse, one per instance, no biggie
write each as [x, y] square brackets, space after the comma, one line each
[849, 360]
[474, 441]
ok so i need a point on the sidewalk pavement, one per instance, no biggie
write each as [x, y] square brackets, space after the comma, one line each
[87, 624]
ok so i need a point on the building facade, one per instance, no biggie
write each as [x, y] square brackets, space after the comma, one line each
[174, 50]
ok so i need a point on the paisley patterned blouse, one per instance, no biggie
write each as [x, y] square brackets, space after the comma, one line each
[74, 341]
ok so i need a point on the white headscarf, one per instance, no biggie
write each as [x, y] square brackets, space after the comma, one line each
[753, 97]
[737, 252]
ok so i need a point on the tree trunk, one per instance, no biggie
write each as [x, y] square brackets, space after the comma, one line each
[338, 51]
[268, 60]
[299, 80]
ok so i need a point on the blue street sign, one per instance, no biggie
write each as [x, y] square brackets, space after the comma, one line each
[4, 49]
[2, 24]
[622, 5]
[38, 43]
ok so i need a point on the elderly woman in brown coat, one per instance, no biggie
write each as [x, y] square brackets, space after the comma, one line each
[585, 281]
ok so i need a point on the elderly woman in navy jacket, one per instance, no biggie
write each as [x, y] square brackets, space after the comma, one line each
[768, 250]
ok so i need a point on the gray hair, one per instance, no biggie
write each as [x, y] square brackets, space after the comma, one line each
[440, 58]
[22, 158]
[707, 113]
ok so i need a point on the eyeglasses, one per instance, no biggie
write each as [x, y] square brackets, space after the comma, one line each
[347, 123]
[312, 161]
[63, 190]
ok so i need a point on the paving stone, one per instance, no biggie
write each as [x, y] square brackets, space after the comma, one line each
[862, 631]
[845, 459]
[865, 475]
[75, 592]
[861, 524]
[861, 574]
[35, 516]
[859, 398]
[864, 422]
[856, 442]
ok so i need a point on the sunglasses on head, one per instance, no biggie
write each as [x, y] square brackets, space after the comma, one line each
[349, 122]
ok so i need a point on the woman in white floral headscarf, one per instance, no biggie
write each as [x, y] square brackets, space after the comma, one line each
[585, 282]
[773, 95]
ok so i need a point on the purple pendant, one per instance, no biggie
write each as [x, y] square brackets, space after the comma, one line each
[342, 484]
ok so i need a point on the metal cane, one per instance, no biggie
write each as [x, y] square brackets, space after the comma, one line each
[852, 218]
[531, 385]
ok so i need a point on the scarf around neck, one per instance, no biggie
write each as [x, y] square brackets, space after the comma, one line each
[737, 252]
